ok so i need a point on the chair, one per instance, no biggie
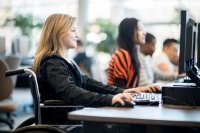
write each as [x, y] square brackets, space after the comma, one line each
[13, 63]
[7, 106]
[41, 123]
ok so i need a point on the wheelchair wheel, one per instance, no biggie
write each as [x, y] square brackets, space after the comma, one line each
[30, 121]
[28, 126]
[39, 129]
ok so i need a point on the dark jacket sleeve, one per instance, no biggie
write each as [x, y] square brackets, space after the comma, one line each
[59, 78]
[120, 82]
[96, 86]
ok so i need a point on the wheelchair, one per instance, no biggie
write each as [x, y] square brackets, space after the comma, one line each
[41, 122]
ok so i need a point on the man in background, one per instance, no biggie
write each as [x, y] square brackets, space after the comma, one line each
[145, 58]
[165, 63]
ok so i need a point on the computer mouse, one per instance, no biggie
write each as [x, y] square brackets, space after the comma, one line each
[127, 104]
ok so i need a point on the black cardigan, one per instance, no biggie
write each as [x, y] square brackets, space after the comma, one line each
[61, 80]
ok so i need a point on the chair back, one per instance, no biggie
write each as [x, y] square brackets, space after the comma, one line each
[13, 63]
[6, 83]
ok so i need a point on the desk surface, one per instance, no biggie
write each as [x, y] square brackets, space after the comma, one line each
[148, 115]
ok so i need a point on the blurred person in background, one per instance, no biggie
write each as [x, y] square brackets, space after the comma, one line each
[82, 60]
[165, 63]
[147, 76]
[123, 70]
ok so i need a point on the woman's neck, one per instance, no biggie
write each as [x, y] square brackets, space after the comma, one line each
[65, 56]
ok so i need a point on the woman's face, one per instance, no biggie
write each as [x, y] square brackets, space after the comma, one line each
[69, 40]
[139, 36]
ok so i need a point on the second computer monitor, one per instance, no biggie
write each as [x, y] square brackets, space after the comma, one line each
[188, 42]
[198, 46]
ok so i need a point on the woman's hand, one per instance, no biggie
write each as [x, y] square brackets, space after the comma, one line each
[119, 98]
[150, 88]
[132, 90]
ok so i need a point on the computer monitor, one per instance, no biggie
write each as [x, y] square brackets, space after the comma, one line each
[188, 52]
[198, 46]
[2, 46]
[16, 46]
[188, 42]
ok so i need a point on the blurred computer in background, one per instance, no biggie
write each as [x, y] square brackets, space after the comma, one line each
[2, 46]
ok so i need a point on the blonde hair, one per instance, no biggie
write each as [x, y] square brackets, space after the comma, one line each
[50, 42]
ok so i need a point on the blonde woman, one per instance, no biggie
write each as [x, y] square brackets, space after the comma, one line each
[59, 78]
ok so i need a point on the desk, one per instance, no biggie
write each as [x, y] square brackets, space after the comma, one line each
[148, 115]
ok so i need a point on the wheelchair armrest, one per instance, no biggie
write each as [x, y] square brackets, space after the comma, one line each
[53, 102]
[60, 104]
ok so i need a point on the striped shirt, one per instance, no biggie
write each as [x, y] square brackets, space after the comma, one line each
[121, 70]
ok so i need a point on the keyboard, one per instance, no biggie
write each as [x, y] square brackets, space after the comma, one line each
[147, 99]
[181, 84]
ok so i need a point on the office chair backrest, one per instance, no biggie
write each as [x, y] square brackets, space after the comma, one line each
[36, 98]
[13, 63]
[6, 83]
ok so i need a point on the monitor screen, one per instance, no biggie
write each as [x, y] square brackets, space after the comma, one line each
[198, 46]
[188, 42]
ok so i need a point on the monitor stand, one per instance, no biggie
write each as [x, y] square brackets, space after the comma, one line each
[193, 74]
[187, 80]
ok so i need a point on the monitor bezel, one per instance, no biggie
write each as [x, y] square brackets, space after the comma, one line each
[188, 36]
[198, 46]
